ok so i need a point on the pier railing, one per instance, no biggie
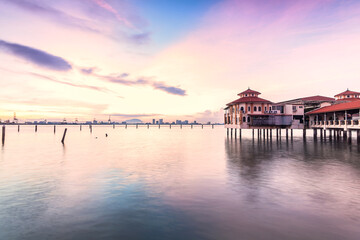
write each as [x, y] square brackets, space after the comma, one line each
[354, 124]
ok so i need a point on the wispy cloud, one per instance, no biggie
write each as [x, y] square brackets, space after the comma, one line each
[36, 56]
[103, 4]
[144, 81]
[53, 14]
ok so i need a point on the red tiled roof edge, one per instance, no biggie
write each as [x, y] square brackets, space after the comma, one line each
[337, 107]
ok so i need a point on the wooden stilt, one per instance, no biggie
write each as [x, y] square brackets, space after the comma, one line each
[63, 138]
[35, 128]
[3, 135]
[18, 128]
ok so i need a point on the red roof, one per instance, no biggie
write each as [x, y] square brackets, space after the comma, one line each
[317, 98]
[249, 100]
[347, 92]
[347, 99]
[249, 91]
[337, 107]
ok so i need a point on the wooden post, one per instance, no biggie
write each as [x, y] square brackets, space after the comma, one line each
[170, 126]
[18, 128]
[344, 135]
[264, 133]
[235, 132]
[358, 136]
[325, 134]
[304, 133]
[227, 131]
[240, 133]
[136, 126]
[212, 126]
[321, 134]
[80, 127]
[277, 133]
[231, 131]
[181, 128]
[287, 134]
[330, 137]
[90, 126]
[280, 133]
[253, 133]
[35, 128]
[3, 135]
[159, 126]
[270, 133]
[192, 127]
[63, 138]
[291, 132]
[148, 126]
[113, 126]
[54, 129]
[202, 125]
[125, 125]
[349, 136]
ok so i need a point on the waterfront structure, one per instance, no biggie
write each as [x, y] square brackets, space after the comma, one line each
[250, 112]
[348, 96]
[344, 114]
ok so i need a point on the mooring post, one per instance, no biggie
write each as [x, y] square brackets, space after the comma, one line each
[63, 138]
[321, 134]
[304, 133]
[349, 136]
[18, 128]
[3, 135]
[344, 134]
[35, 128]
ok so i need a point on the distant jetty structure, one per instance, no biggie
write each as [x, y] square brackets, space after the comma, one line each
[339, 116]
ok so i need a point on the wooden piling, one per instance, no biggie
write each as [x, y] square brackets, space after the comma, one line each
[192, 127]
[304, 133]
[253, 133]
[325, 134]
[212, 126]
[330, 132]
[227, 131]
[277, 133]
[35, 128]
[344, 135]
[202, 125]
[148, 126]
[18, 128]
[264, 133]
[240, 133]
[113, 126]
[287, 134]
[54, 129]
[3, 135]
[159, 126]
[126, 126]
[136, 126]
[291, 133]
[231, 132]
[349, 136]
[63, 138]
[321, 134]
[270, 134]
[181, 128]
[80, 127]
[358, 136]
[235, 132]
[170, 126]
[90, 126]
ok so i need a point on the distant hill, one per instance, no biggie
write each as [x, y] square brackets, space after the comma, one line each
[133, 121]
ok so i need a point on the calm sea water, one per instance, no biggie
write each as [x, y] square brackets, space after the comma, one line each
[175, 184]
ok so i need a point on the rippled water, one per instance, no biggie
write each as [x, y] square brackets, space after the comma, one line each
[175, 184]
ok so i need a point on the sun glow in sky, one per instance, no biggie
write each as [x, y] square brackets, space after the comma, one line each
[178, 59]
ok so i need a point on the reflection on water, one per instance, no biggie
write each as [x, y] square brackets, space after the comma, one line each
[175, 184]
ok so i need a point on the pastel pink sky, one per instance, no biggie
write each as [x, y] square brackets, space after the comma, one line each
[181, 60]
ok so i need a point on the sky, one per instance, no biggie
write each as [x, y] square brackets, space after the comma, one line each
[178, 59]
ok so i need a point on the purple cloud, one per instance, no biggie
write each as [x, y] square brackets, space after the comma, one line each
[36, 56]
[169, 89]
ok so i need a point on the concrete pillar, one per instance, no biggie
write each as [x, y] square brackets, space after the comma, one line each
[287, 134]
[321, 134]
[291, 132]
[240, 133]
[315, 132]
[231, 132]
[344, 135]
[358, 136]
[252, 133]
[325, 134]
[304, 133]
[270, 133]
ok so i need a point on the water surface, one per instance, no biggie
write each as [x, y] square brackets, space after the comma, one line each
[175, 184]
